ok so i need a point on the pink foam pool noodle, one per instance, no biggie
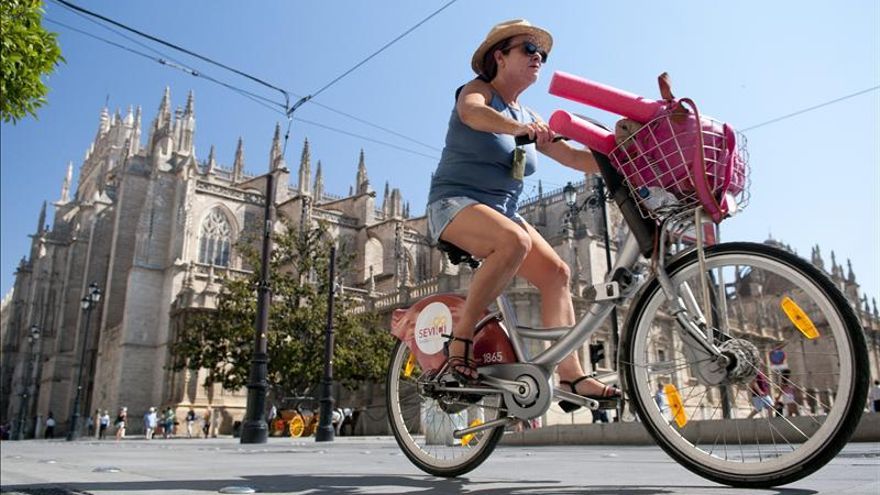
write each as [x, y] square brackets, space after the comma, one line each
[584, 132]
[604, 97]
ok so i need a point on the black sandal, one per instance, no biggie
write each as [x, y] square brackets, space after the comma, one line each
[607, 400]
[456, 364]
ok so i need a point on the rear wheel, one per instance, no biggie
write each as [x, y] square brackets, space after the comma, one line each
[773, 315]
[423, 424]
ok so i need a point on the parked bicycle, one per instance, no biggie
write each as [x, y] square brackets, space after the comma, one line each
[701, 319]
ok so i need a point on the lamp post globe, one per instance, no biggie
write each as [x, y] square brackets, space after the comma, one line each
[570, 194]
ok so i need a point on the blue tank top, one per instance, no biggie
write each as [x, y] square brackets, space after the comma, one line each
[478, 164]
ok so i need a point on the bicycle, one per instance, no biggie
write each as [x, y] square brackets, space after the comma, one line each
[713, 310]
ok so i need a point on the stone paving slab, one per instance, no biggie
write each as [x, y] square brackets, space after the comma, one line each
[374, 465]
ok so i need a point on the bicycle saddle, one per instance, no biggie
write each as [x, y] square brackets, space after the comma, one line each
[457, 255]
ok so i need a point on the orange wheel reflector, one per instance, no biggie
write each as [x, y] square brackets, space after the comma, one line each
[799, 318]
[467, 439]
[410, 365]
[676, 408]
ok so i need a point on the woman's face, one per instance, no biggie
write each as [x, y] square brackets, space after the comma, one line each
[518, 64]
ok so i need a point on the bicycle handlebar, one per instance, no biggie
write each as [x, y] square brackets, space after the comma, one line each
[524, 139]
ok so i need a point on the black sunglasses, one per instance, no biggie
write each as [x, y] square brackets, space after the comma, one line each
[530, 49]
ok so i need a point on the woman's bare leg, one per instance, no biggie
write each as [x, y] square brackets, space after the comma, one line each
[544, 269]
[501, 244]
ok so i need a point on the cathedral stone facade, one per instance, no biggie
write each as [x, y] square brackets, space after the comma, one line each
[156, 229]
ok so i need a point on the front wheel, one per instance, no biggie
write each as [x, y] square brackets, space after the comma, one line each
[794, 389]
[423, 425]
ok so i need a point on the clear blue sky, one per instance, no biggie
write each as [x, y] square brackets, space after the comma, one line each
[815, 177]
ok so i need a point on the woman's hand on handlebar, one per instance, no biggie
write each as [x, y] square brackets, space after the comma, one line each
[535, 132]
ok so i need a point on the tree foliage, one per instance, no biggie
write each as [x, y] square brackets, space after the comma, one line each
[222, 341]
[28, 52]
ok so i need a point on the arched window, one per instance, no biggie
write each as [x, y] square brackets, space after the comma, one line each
[214, 239]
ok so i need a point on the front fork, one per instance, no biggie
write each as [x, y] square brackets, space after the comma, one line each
[707, 362]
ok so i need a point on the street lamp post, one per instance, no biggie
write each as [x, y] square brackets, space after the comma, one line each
[325, 431]
[88, 302]
[596, 200]
[26, 382]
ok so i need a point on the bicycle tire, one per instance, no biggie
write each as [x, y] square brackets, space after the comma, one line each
[421, 455]
[775, 473]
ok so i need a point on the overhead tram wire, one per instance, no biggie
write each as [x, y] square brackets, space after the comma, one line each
[258, 99]
[380, 50]
[287, 106]
[810, 109]
[77, 8]
[181, 67]
[165, 56]
[384, 143]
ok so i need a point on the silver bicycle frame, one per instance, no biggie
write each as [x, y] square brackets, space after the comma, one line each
[565, 340]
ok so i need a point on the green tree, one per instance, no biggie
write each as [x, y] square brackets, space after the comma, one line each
[28, 52]
[222, 340]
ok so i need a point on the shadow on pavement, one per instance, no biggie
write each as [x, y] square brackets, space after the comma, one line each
[358, 484]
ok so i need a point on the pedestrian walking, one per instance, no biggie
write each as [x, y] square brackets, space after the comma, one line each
[121, 419]
[50, 426]
[103, 424]
[190, 420]
[169, 423]
[760, 392]
[90, 426]
[206, 422]
[150, 422]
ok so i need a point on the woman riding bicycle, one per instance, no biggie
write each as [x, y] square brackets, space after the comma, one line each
[474, 193]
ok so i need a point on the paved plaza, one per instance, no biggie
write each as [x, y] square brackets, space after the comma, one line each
[369, 465]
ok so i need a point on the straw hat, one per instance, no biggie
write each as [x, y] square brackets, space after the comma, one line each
[509, 29]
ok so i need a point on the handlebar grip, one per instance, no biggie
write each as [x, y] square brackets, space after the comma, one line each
[524, 139]
[584, 132]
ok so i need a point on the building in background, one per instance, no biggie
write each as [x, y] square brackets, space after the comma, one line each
[156, 227]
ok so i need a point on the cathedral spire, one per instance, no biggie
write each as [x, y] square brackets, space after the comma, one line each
[363, 183]
[386, 204]
[41, 221]
[817, 258]
[188, 125]
[319, 184]
[836, 272]
[103, 122]
[212, 162]
[190, 104]
[136, 132]
[65, 186]
[850, 276]
[276, 159]
[163, 116]
[165, 105]
[238, 164]
[305, 169]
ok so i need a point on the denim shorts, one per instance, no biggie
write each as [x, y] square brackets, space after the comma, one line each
[442, 211]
